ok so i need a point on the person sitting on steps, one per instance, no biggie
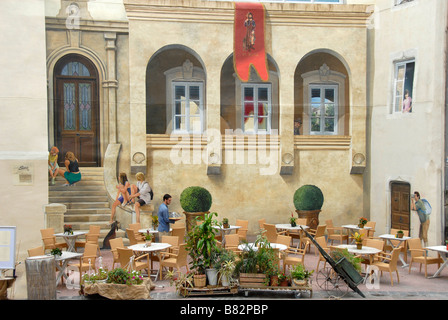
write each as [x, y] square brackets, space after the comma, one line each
[144, 194]
[123, 194]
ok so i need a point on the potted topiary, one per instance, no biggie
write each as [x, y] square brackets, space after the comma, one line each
[196, 202]
[308, 201]
[300, 275]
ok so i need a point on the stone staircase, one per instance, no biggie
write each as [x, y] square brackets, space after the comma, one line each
[87, 202]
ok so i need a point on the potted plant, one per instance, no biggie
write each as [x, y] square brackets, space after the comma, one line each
[181, 282]
[292, 221]
[354, 260]
[308, 201]
[399, 234]
[358, 239]
[300, 275]
[362, 222]
[202, 245]
[283, 279]
[101, 275]
[155, 222]
[56, 252]
[226, 271]
[225, 223]
[196, 202]
[148, 239]
[68, 229]
[88, 278]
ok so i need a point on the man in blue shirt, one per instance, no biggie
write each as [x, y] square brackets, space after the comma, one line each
[164, 217]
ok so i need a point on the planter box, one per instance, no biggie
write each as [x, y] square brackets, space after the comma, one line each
[119, 291]
[252, 279]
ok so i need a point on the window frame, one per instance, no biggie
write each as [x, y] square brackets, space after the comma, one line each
[187, 85]
[322, 87]
[397, 65]
[256, 86]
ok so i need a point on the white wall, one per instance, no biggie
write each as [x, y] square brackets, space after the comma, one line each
[23, 109]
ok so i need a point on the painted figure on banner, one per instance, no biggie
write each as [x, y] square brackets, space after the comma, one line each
[249, 39]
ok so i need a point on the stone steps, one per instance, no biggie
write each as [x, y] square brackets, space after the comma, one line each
[87, 202]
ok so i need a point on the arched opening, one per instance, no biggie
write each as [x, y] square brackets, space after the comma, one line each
[76, 109]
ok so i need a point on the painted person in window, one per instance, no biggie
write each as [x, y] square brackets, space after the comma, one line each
[297, 126]
[418, 205]
[71, 172]
[407, 102]
[143, 193]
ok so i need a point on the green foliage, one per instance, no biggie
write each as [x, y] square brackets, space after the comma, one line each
[56, 252]
[300, 273]
[121, 276]
[195, 199]
[308, 197]
[201, 243]
[339, 254]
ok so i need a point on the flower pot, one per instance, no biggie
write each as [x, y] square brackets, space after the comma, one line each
[274, 281]
[199, 280]
[212, 276]
[284, 283]
[225, 281]
[312, 217]
[359, 245]
[225, 225]
[399, 235]
[361, 226]
[148, 243]
[299, 283]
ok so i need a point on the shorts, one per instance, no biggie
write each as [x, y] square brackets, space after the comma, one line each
[142, 202]
[121, 199]
[72, 177]
[56, 166]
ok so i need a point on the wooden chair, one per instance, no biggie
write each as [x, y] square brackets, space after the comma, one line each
[285, 240]
[90, 253]
[297, 234]
[172, 260]
[370, 232]
[242, 232]
[125, 256]
[271, 232]
[318, 232]
[388, 262]
[133, 237]
[34, 252]
[335, 233]
[179, 232]
[261, 223]
[294, 256]
[419, 255]
[91, 237]
[232, 242]
[138, 235]
[373, 243]
[173, 241]
[401, 244]
[323, 243]
[114, 244]
[49, 240]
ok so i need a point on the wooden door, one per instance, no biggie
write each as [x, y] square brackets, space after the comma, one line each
[400, 207]
[76, 110]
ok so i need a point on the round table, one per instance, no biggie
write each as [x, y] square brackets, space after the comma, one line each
[156, 247]
[70, 239]
[251, 245]
[287, 226]
[363, 251]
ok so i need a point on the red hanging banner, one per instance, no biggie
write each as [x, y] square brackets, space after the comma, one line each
[249, 48]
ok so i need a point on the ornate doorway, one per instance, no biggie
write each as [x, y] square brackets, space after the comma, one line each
[76, 113]
[400, 207]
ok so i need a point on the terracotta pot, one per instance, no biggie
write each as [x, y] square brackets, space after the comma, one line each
[190, 219]
[274, 281]
[312, 217]
[359, 245]
[399, 235]
[284, 283]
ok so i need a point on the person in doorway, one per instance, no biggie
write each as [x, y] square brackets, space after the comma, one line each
[123, 194]
[297, 126]
[71, 172]
[164, 216]
[418, 205]
[143, 192]
[53, 166]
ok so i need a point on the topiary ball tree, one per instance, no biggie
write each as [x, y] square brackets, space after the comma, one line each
[308, 197]
[195, 199]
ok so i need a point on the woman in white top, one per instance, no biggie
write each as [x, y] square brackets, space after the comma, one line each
[144, 194]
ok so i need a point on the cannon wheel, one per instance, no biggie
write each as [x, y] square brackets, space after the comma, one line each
[331, 282]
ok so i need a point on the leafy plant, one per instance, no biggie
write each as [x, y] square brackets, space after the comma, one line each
[56, 252]
[308, 197]
[149, 236]
[362, 221]
[202, 245]
[282, 277]
[121, 276]
[354, 260]
[358, 236]
[68, 229]
[181, 281]
[155, 222]
[300, 273]
[195, 199]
